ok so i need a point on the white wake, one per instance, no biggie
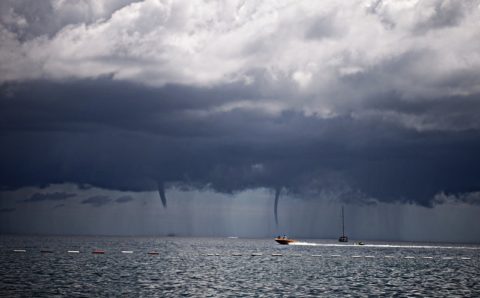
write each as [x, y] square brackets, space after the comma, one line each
[305, 244]
[385, 245]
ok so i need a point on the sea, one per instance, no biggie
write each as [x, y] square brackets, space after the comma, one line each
[41, 266]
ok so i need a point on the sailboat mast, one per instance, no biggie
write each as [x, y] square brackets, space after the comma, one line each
[343, 238]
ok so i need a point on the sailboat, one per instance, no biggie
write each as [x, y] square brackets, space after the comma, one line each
[343, 238]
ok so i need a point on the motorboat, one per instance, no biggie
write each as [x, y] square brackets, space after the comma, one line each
[284, 240]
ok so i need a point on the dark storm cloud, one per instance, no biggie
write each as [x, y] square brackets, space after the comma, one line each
[361, 100]
[124, 199]
[126, 137]
[97, 201]
[85, 105]
[7, 210]
[54, 196]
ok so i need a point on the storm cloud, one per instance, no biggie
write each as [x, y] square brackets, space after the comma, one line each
[7, 210]
[360, 100]
[97, 201]
[54, 196]
[110, 142]
[124, 199]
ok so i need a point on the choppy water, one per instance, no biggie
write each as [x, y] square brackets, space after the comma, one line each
[214, 267]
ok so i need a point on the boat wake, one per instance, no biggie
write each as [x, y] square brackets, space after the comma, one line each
[420, 246]
[385, 246]
[305, 244]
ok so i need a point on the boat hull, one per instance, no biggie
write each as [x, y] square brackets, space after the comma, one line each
[284, 241]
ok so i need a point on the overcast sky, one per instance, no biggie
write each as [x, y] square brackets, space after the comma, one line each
[108, 108]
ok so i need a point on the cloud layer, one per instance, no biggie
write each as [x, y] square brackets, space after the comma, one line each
[327, 59]
[53, 196]
[357, 100]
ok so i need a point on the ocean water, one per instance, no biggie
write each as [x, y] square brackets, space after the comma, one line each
[224, 267]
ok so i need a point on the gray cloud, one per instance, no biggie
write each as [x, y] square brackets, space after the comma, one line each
[34, 19]
[54, 196]
[422, 15]
[124, 199]
[97, 201]
[368, 100]
[469, 198]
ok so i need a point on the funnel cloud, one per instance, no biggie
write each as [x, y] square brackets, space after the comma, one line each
[161, 193]
[275, 210]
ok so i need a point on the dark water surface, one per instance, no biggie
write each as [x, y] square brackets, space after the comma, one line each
[220, 267]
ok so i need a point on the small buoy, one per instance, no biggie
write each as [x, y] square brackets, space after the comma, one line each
[153, 253]
[447, 258]
[98, 252]
[256, 254]
[335, 255]
[427, 257]
[389, 257]
[409, 257]
[127, 252]
[19, 250]
[210, 255]
[73, 251]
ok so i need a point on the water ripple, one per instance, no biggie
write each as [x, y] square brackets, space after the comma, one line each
[194, 267]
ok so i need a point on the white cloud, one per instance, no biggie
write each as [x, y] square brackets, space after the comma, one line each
[315, 50]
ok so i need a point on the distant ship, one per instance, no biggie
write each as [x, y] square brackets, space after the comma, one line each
[284, 240]
[343, 238]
